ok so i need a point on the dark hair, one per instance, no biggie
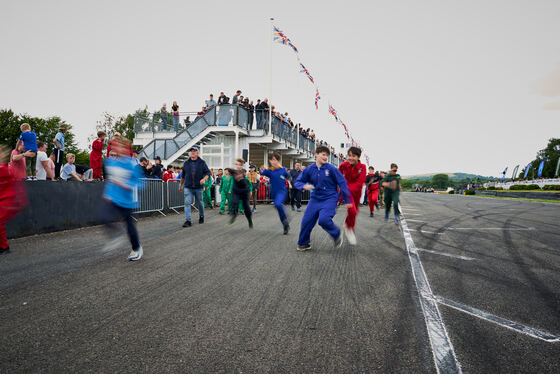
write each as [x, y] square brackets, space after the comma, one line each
[394, 166]
[371, 167]
[169, 167]
[276, 156]
[40, 144]
[355, 151]
[321, 149]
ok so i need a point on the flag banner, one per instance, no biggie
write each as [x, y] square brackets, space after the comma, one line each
[557, 168]
[306, 71]
[280, 37]
[504, 174]
[527, 168]
[514, 174]
[541, 166]
[317, 98]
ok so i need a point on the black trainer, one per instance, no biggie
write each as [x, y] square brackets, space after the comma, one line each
[286, 229]
[304, 247]
[371, 214]
[4, 250]
[201, 219]
[187, 224]
[250, 222]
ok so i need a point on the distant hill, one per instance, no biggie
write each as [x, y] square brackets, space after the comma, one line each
[452, 176]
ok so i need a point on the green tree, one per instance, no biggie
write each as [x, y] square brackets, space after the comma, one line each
[121, 124]
[551, 155]
[440, 181]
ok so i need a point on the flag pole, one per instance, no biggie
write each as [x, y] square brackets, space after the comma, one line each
[270, 80]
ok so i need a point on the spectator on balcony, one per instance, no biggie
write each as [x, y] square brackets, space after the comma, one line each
[194, 174]
[251, 109]
[43, 167]
[17, 162]
[223, 99]
[201, 113]
[236, 97]
[175, 112]
[157, 169]
[187, 121]
[96, 155]
[163, 114]
[258, 114]
[210, 102]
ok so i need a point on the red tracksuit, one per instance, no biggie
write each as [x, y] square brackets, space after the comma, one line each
[96, 158]
[355, 177]
[10, 203]
[372, 194]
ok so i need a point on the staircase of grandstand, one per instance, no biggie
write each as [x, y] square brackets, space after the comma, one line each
[219, 120]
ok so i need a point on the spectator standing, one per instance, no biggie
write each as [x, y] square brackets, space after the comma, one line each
[236, 97]
[43, 167]
[145, 167]
[295, 195]
[168, 173]
[29, 140]
[59, 150]
[17, 162]
[175, 112]
[157, 168]
[223, 99]
[194, 174]
[254, 179]
[258, 114]
[210, 102]
[163, 115]
[96, 155]
[251, 109]
[264, 114]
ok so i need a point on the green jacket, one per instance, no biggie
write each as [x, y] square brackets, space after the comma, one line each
[207, 184]
[389, 178]
[226, 184]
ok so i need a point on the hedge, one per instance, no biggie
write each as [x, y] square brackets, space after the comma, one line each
[551, 187]
[469, 192]
[524, 187]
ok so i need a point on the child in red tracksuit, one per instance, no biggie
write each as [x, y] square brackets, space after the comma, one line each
[355, 174]
[372, 183]
[12, 198]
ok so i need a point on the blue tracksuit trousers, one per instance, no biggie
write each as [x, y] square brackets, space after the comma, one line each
[279, 199]
[322, 211]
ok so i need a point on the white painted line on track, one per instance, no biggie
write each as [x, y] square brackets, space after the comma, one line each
[547, 337]
[416, 220]
[413, 214]
[466, 258]
[493, 228]
[427, 232]
[442, 349]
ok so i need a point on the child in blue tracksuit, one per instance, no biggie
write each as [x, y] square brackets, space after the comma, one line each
[278, 176]
[122, 178]
[322, 179]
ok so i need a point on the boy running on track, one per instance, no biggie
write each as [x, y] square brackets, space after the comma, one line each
[372, 185]
[392, 185]
[240, 192]
[123, 176]
[322, 180]
[278, 176]
[355, 174]
[225, 189]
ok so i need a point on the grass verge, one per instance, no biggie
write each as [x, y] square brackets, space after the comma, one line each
[515, 198]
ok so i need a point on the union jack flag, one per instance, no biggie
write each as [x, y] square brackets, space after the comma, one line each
[280, 37]
[333, 112]
[317, 98]
[304, 70]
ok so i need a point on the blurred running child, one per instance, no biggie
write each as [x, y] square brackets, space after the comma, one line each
[278, 176]
[372, 184]
[392, 185]
[123, 177]
[240, 192]
[322, 179]
[355, 174]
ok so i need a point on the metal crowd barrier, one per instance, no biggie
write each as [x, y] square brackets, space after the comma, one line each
[176, 198]
[150, 196]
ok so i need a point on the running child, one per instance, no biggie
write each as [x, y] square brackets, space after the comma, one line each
[322, 180]
[123, 177]
[278, 176]
[225, 190]
[372, 184]
[392, 185]
[240, 192]
[355, 174]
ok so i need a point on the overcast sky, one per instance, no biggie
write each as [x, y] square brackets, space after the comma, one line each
[469, 86]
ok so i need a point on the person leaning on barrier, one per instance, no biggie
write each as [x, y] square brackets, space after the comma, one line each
[194, 174]
[146, 167]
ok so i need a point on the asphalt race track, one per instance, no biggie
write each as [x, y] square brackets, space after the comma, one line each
[474, 288]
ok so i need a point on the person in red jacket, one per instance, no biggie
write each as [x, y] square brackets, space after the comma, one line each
[373, 180]
[117, 135]
[12, 198]
[96, 155]
[168, 173]
[355, 174]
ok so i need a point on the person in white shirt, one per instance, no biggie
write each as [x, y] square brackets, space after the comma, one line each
[43, 167]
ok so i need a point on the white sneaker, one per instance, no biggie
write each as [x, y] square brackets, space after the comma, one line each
[114, 244]
[350, 235]
[135, 255]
